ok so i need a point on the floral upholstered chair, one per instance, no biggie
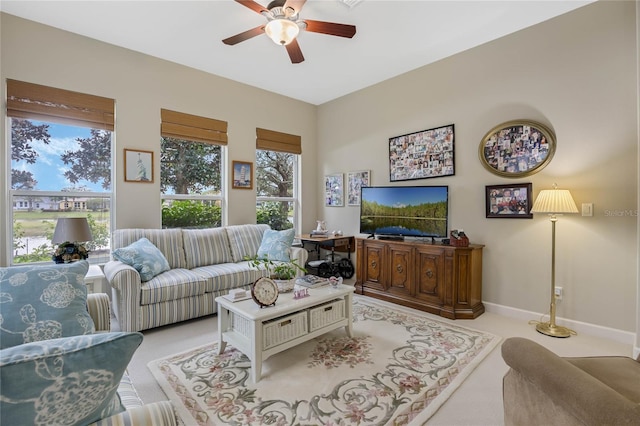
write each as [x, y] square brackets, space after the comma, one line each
[59, 362]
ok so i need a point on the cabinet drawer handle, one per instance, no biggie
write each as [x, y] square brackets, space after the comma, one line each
[374, 264]
[283, 323]
[429, 273]
[399, 268]
[328, 308]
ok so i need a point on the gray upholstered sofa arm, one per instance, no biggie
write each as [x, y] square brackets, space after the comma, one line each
[126, 284]
[543, 388]
[100, 311]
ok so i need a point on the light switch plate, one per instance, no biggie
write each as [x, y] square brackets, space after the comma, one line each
[587, 209]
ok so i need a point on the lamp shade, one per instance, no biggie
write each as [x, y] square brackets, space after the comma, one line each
[282, 31]
[72, 229]
[554, 201]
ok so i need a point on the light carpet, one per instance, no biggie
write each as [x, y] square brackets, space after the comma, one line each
[400, 366]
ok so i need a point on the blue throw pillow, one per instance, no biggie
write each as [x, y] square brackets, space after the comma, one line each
[146, 258]
[40, 302]
[276, 244]
[68, 381]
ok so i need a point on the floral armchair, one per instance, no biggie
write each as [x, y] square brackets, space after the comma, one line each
[57, 363]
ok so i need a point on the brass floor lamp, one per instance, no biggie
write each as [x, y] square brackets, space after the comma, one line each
[554, 202]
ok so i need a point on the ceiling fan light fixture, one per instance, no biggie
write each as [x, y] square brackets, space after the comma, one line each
[282, 31]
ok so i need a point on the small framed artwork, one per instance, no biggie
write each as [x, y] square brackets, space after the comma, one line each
[355, 181]
[334, 190]
[422, 155]
[509, 201]
[517, 148]
[138, 166]
[242, 175]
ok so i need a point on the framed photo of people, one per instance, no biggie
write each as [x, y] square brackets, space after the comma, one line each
[355, 181]
[421, 155]
[509, 201]
[517, 148]
[334, 190]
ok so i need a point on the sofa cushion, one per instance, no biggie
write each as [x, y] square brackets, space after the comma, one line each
[245, 240]
[146, 258]
[206, 247]
[67, 381]
[275, 245]
[41, 302]
[227, 276]
[168, 241]
[171, 285]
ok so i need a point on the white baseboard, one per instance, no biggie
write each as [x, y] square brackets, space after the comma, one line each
[616, 335]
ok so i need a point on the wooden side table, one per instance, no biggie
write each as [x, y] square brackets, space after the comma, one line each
[94, 277]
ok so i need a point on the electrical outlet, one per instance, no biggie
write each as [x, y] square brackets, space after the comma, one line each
[558, 291]
[587, 209]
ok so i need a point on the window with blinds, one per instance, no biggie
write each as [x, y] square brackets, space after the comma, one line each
[191, 170]
[277, 178]
[61, 166]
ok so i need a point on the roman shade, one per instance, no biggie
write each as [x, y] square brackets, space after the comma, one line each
[44, 103]
[270, 140]
[179, 125]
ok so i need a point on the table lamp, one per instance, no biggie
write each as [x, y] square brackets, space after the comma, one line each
[69, 233]
[554, 202]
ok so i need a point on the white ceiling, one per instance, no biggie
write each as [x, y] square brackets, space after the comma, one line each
[392, 37]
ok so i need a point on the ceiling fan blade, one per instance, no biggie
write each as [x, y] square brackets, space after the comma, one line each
[295, 5]
[253, 6]
[330, 28]
[244, 36]
[295, 54]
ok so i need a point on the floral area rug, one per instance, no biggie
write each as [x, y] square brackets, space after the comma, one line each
[400, 366]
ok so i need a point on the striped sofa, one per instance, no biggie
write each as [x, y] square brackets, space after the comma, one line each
[205, 264]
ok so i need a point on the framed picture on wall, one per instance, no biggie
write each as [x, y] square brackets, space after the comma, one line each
[334, 190]
[509, 201]
[138, 166]
[517, 148]
[422, 155]
[242, 175]
[355, 181]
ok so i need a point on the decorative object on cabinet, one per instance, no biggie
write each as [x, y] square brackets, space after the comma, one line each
[440, 279]
[517, 148]
[421, 155]
[334, 190]
[138, 166]
[554, 202]
[355, 181]
[508, 201]
[242, 175]
[458, 238]
[69, 234]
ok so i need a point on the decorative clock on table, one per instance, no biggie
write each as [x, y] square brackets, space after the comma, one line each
[264, 291]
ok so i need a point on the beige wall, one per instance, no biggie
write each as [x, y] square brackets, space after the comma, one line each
[575, 73]
[141, 86]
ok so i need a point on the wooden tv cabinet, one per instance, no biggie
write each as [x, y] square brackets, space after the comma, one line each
[435, 278]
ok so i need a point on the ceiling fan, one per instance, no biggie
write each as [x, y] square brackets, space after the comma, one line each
[284, 24]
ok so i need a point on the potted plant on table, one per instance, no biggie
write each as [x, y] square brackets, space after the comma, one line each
[283, 273]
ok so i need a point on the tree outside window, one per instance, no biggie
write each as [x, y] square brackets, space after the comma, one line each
[191, 182]
[276, 188]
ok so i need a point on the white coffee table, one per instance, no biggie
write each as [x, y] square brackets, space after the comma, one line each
[262, 332]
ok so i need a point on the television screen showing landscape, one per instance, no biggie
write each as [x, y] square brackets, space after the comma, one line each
[414, 211]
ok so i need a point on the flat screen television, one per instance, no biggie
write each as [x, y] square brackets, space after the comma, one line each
[404, 211]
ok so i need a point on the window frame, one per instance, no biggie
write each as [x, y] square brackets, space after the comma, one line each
[295, 197]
